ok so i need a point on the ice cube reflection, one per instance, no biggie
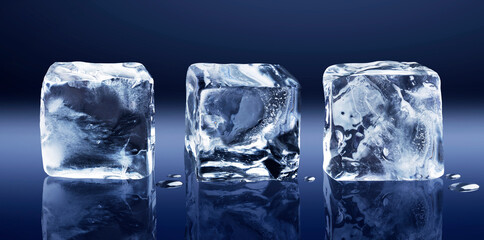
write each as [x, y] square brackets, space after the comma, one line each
[383, 210]
[98, 209]
[241, 210]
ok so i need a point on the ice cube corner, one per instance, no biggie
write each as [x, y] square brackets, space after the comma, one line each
[97, 120]
[242, 121]
[383, 122]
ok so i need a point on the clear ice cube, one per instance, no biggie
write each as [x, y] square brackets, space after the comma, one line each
[242, 210]
[97, 120]
[383, 122]
[383, 209]
[98, 209]
[242, 121]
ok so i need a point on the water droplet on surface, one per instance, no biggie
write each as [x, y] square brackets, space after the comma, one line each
[452, 176]
[309, 179]
[169, 184]
[464, 187]
[174, 175]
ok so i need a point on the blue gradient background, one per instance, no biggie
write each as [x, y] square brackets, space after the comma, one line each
[305, 37]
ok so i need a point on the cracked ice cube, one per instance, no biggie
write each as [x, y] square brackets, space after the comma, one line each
[383, 122]
[242, 121]
[96, 120]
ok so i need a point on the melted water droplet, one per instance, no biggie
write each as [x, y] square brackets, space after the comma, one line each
[452, 176]
[309, 179]
[169, 184]
[464, 187]
[174, 175]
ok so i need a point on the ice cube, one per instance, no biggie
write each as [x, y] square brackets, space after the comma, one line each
[98, 209]
[242, 121]
[383, 122]
[97, 120]
[241, 210]
[383, 209]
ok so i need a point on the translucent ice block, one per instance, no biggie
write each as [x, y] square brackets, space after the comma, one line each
[383, 209]
[383, 122]
[98, 209]
[97, 120]
[242, 121]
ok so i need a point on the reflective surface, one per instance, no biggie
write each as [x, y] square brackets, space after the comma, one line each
[255, 210]
[98, 209]
[383, 210]
[24, 194]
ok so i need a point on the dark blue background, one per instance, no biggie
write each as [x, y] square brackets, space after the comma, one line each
[303, 36]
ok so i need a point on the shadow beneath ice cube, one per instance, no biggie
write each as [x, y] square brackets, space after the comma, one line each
[98, 209]
[241, 210]
[383, 210]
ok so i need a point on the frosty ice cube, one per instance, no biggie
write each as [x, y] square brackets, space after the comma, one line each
[383, 209]
[383, 122]
[98, 209]
[97, 120]
[242, 121]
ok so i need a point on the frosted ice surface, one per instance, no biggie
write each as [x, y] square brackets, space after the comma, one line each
[97, 120]
[242, 121]
[241, 210]
[383, 209]
[98, 209]
[383, 122]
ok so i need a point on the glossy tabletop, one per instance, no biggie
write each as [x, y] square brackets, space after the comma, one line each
[34, 205]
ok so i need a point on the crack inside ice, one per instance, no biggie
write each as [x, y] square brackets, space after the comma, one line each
[383, 122]
[242, 121]
[97, 120]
